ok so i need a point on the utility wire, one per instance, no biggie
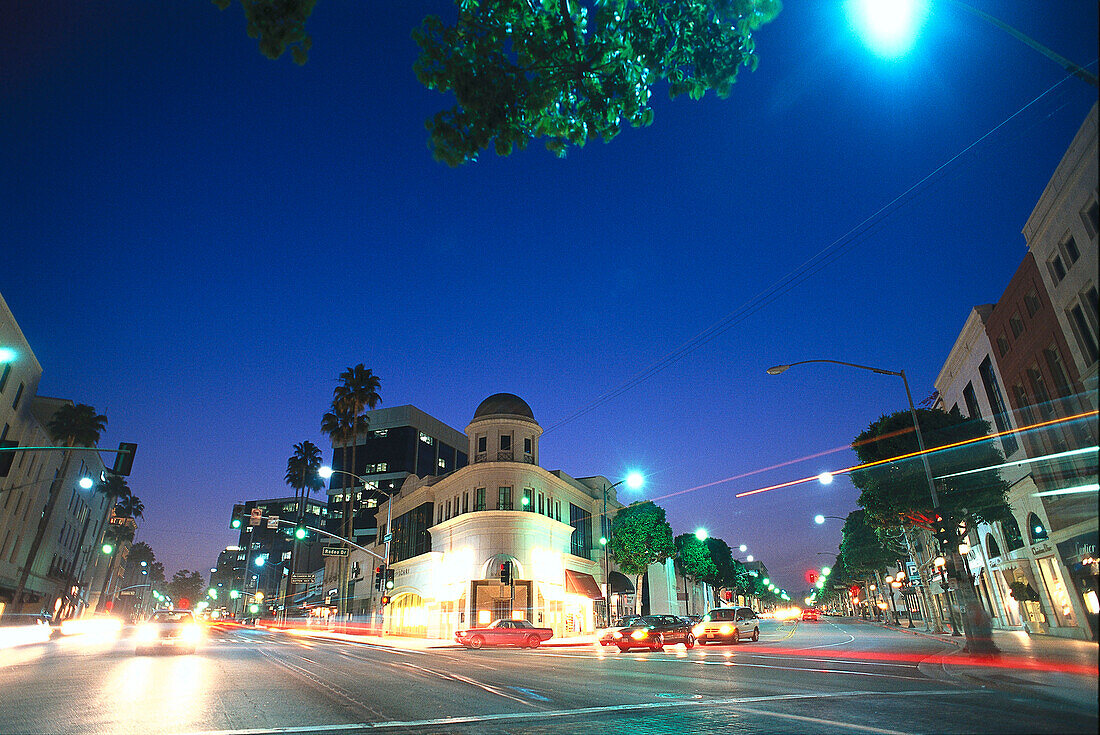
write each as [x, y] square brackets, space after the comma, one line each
[824, 257]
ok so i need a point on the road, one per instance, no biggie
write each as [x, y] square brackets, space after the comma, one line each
[832, 676]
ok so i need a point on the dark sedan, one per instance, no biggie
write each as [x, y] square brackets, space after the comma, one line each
[654, 632]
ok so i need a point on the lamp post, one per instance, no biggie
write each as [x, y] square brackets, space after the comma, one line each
[779, 369]
[820, 519]
[327, 472]
[634, 481]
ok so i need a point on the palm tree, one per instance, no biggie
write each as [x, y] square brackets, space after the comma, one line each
[358, 389]
[301, 474]
[115, 490]
[340, 427]
[130, 507]
[72, 426]
[115, 534]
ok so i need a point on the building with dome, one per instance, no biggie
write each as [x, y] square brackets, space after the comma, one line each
[448, 535]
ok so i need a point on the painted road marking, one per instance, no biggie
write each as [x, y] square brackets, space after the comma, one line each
[662, 705]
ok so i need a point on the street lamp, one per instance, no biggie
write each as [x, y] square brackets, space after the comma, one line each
[890, 27]
[701, 534]
[820, 519]
[634, 480]
[85, 483]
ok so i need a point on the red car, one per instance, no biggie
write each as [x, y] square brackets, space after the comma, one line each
[810, 614]
[504, 633]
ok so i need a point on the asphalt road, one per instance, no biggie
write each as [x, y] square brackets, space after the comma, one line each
[822, 677]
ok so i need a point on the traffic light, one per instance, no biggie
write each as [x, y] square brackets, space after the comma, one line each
[945, 529]
[389, 579]
[506, 572]
[124, 460]
[300, 532]
[385, 600]
[238, 514]
[379, 576]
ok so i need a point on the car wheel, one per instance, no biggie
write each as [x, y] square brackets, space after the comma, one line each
[756, 634]
[736, 637]
[477, 642]
[533, 641]
[624, 649]
[689, 642]
[701, 642]
[658, 644]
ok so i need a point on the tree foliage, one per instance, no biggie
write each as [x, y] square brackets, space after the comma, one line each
[728, 572]
[565, 71]
[77, 425]
[893, 490]
[865, 549]
[302, 468]
[142, 552]
[186, 585]
[693, 558]
[640, 536]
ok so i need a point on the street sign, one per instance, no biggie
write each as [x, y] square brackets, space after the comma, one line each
[255, 515]
[301, 578]
[333, 551]
[387, 538]
[125, 593]
[273, 521]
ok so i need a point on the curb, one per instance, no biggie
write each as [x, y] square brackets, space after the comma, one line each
[957, 641]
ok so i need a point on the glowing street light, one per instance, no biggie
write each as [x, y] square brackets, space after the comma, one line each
[888, 27]
[7, 354]
[635, 480]
[748, 558]
[701, 534]
[819, 519]
[825, 478]
[85, 483]
[742, 548]
[826, 571]
[260, 561]
[107, 548]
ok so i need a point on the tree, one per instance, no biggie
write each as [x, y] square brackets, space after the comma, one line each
[693, 558]
[301, 474]
[862, 548]
[142, 552]
[563, 70]
[72, 425]
[186, 585]
[130, 507]
[895, 491]
[358, 389]
[725, 571]
[640, 536]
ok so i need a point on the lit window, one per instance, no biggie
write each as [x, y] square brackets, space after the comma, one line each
[381, 432]
[442, 463]
[372, 502]
[426, 439]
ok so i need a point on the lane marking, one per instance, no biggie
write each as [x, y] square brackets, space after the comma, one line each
[835, 661]
[812, 671]
[662, 705]
[451, 676]
[817, 722]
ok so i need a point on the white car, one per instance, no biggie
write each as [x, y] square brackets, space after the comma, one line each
[728, 625]
[175, 629]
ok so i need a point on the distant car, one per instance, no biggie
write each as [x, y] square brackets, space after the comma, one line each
[654, 632]
[504, 633]
[17, 629]
[728, 625]
[811, 614]
[176, 629]
[608, 638]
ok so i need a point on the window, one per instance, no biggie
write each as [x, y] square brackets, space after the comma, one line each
[439, 514]
[466, 502]
[505, 442]
[1039, 388]
[371, 503]
[997, 403]
[4, 375]
[542, 504]
[557, 510]
[1057, 270]
[1031, 303]
[527, 444]
[381, 433]
[479, 499]
[1090, 218]
[1016, 324]
[442, 463]
[580, 543]
[504, 498]
[1036, 531]
[426, 439]
[991, 546]
[1002, 345]
[971, 399]
[18, 395]
[481, 444]
[448, 516]
[1069, 247]
[1013, 539]
[528, 499]
[1083, 331]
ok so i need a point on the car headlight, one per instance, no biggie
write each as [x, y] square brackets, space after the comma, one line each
[726, 630]
[190, 633]
[146, 633]
[617, 634]
[639, 634]
[699, 629]
[460, 633]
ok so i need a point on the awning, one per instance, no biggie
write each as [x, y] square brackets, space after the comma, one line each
[579, 583]
[620, 583]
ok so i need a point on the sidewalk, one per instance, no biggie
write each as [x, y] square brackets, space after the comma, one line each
[1061, 668]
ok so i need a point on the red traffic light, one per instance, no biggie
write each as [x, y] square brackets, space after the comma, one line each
[378, 569]
[385, 600]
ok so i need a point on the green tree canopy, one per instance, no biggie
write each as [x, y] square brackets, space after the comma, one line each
[728, 572]
[640, 536]
[894, 490]
[561, 70]
[693, 558]
[186, 584]
[864, 549]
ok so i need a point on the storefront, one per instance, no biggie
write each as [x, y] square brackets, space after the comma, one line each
[1079, 554]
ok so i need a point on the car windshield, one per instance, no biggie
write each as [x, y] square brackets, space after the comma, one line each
[628, 621]
[166, 616]
[726, 613]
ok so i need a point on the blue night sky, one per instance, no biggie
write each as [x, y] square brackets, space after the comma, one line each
[197, 240]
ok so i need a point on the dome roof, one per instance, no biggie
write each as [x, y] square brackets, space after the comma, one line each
[503, 403]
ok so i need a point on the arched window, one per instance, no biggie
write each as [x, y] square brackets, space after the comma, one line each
[1036, 531]
[1011, 529]
[991, 546]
